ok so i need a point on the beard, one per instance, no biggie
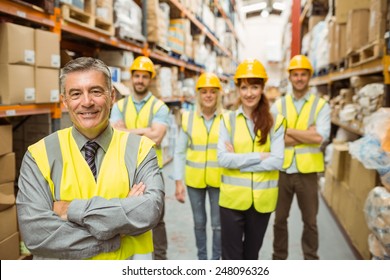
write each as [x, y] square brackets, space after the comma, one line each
[140, 92]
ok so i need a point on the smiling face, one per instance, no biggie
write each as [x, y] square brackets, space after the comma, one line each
[90, 111]
[250, 94]
[208, 98]
[141, 81]
[299, 79]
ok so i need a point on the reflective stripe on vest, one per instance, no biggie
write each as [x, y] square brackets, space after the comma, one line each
[69, 177]
[241, 190]
[309, 157]
[202, 167]
[141, 119]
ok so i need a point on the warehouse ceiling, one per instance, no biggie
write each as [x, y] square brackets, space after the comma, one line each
[264, 8]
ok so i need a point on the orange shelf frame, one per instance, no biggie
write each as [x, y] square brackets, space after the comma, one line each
[201, 26]
[25, 12]
[227, 19]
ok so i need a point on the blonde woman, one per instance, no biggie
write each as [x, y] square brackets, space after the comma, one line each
[250, 150]
[196, 157]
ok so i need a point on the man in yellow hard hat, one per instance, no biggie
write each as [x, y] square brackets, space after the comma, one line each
[308, 126]
[144, 114]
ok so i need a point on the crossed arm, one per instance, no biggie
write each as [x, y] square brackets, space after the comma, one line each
[88, 226]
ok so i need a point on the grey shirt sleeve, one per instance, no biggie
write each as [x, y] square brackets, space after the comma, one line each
[105, 218]
[179, 159]
[46, 234]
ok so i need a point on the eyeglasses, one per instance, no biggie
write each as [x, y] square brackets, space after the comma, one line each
[76, 95]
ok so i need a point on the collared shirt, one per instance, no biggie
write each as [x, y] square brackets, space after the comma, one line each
[179, 159]
[94, 225]
[322, 123]
[251, 162]
[161, 116]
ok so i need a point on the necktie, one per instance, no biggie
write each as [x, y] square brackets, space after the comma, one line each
[90, 149]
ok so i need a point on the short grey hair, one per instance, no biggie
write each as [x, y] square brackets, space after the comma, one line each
[84, 64]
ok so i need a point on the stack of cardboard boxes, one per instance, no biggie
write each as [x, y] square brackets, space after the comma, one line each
[347, 184]
[9, 235]
[356, 25]
[29, 61]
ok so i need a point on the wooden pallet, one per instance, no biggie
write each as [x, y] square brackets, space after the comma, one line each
[132, 40]
[104, 26]
[76, 15]
[365, 54]
[159, 49]
[338, 66]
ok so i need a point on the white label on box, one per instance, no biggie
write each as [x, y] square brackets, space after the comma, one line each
[54, 95]
[102, 12]
[55, 60]
[29, 94]
[29, 56]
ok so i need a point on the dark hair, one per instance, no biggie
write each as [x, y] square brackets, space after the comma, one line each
[261, 116]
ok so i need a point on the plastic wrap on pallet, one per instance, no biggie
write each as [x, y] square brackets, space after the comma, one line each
[165, 74]
[128, 20]
[377, 213]
[319, 51]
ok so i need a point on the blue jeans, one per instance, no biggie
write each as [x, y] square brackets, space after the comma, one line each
[198, 205]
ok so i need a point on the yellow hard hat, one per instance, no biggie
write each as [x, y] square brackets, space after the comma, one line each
[208, 80]
[300, 62]
[250, 68]
[143, 63]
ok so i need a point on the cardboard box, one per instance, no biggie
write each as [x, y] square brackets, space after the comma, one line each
[7, 167]
[16, 84]
[47, 84]
[122, 59]
[341, 41]
[361, 180]
[9, 247]
[342, 7]
[333, 51]
[47, 47]
[8, 222]
[357, 29]
[6, 139]
[377, 25]
[7, 195]
[345, 205]
[16, 44]
[340, 153]
[359, 231]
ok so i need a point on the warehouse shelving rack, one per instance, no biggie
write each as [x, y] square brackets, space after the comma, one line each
[32, 14]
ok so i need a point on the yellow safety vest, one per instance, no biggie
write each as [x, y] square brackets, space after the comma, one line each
[241, 190]
[143, 118]
[309, 157]
[76, 181]
[202, 167]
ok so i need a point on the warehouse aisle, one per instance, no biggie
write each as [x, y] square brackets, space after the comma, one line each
[181, 240]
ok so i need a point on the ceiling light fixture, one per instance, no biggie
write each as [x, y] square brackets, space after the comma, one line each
[278, 6]
[254, 7]
[264, 13]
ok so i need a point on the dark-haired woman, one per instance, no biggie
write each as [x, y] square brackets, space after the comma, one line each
[250, 151]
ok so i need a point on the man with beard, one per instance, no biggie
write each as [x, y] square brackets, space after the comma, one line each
[308, 126]
[143, 114]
